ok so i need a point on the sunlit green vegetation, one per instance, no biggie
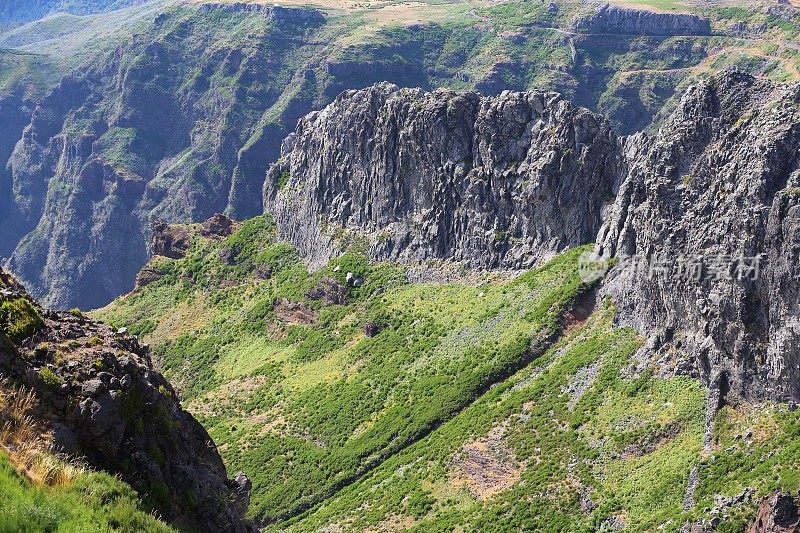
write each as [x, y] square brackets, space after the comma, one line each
[336, 427]
[569, 443]
[305, 405]
[26, 75]
[90, 502]
[19, 318]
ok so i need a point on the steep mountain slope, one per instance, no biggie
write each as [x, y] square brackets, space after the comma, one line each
[99, 160]
[578, 442]
[101, 169]
[707, 223]
[626, 457]
[494, 182]
[359, 400]
[72, 39]
[86, 501]
[308, 381]
[14, 13]
[704, 227]
[93, 391]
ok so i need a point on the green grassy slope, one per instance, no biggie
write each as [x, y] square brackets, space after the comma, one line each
[26, 75]
[619, 450]
[91, 502]
[462, 411]
[305, 408]
[13, 13]
[74, 36]
[568, 440]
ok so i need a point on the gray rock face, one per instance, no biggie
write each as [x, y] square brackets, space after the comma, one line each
[495, 182]
[617, 20]
[169, 241]
[713, 200]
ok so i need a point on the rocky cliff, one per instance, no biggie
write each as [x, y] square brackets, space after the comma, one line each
[707, 229]
[99, 396]
[494, 182]
[617, 20]
[275, 13]
[184, 118]
[96, 163]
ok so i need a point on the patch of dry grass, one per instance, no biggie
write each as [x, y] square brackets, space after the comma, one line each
[28, 446]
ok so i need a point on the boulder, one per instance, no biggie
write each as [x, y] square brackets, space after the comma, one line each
[777, 513]
[169, 240]
[218, 225]
[329, 290]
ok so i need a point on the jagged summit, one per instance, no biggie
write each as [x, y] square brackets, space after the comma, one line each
[494, 182]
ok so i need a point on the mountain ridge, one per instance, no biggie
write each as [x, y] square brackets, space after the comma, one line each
[348, 170]
[244, 88]
[417, 175]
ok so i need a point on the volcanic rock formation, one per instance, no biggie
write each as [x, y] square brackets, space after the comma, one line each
[709, 214]
[495, 182]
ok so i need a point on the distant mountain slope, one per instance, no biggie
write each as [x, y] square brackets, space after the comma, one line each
[18, 12]
[71, 39]
[98, 161]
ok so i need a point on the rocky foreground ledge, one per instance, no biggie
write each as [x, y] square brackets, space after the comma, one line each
[98, 394]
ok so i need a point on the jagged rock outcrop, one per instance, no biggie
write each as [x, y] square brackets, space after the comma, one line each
[274, 12]
[619, 20]
[777, 513]
[218, 226]
[147, 275]
[100, 397]
[169, 240]
[712, 201]
[495, 182]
